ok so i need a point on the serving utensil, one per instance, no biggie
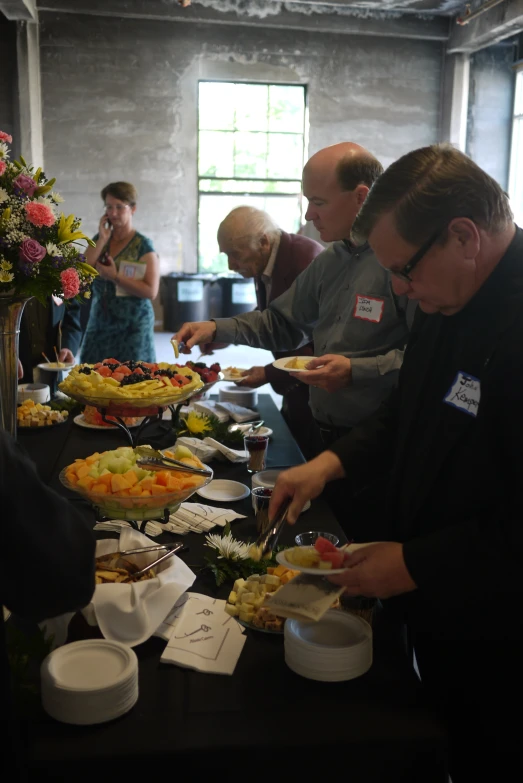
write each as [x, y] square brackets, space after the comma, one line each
[155, 460]
[268, 540]
[173, 549]
[255, 425]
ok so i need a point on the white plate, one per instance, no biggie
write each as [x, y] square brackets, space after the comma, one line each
[90, 665]
[80, 420]
[235, 378]
[260, 431]
[53, 366]
[280, 363]
[223, 491]
[280, 557]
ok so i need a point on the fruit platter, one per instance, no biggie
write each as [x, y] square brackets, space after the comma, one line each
[209, 375]
[91, 418]
[114, 483]
[249, 600]
[322, 558]
[131, 388]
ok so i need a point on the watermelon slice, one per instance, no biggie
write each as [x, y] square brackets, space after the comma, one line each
[336, 558]
[322, 545]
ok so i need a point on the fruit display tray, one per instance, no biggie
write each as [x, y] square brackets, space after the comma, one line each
[133, 406]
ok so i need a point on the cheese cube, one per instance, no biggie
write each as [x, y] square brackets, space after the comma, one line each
[232, 597]
[232, 610]
[238, 584]
[246, 616]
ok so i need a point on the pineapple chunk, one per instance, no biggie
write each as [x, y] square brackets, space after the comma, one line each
[232, 597]
[325, 565]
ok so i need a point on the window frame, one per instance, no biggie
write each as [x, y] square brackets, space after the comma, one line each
[274, 194]
[516, 145]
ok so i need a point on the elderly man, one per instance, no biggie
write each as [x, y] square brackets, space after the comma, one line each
[256, 247]
[343, 301]
[449, 442]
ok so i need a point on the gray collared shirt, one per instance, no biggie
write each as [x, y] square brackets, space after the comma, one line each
[344, 302]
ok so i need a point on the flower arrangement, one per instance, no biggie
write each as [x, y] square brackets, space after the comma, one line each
[229, 558]
[200, 425]
[38, 256]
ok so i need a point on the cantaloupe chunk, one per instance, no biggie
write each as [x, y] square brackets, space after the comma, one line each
[270, 570]
[82, 470]
[146, 483]
[93, 458]
[72, 478]
[279, 570]
[158, 489]
[162, 477]
[135, 491]
[174, 483]
[86, 482]
[118, 482]
[146, 493]
[105, 479]
[100, 489]
[123, 493]
[131, 477]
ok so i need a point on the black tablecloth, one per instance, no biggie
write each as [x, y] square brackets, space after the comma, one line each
[373, 728]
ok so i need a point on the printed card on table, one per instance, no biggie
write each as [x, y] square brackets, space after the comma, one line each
[306, 597]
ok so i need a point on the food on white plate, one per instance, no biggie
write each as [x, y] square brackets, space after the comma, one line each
[113, 568]
[297, 364]
[323, 555]
[116, 380]
[233, 372]
[116, 473]
[93, 416]
[34, 414]
[249, 599]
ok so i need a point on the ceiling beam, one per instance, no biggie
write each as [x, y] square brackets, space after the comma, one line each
[282, 16]
[494, 25]
[19, 10]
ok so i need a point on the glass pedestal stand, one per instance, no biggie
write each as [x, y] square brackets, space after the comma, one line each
[148, 420]
[139, 524]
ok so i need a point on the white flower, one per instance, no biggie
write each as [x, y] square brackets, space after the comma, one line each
[87, 295]
[5, 265]
[52, 249]
[227, 546]
[4, 150]
[6, 277]
[4, 195]
[56, 197]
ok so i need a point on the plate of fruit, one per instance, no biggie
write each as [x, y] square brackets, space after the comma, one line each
[112, 481]
[249, 600]
[131, 388]
[92, 419]
[321, 559]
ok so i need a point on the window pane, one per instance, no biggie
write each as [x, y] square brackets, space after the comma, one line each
[285, 156]
[215, 154]
[518, 97]
[286, 211]
[250, 156]
[251, 101]
[216, 106]
[516, 172]
[249, 186]
[287, 108]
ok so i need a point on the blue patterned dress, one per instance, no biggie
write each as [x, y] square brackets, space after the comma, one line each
[120, 327]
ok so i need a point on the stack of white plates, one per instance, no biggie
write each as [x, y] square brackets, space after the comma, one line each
[239, 395]
[337, 647]
[89, 682]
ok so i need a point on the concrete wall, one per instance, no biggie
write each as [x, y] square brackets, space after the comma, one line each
[119, 102]
[8, 83]
[490, 110]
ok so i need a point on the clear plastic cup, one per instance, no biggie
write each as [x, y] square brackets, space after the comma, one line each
[261, 498]
[256, 446]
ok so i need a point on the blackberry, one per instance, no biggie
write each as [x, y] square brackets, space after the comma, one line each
[112, 367]
[85, 370]
[128, 380]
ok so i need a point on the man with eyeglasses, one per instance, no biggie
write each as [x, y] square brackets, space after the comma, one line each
[343, 302]
[448, 445]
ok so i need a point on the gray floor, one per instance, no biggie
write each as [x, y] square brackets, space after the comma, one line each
[234, 356]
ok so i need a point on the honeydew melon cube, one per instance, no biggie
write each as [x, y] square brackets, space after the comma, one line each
[94, 472]
[183, 451]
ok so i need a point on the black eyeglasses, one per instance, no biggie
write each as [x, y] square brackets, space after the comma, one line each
[404, 274]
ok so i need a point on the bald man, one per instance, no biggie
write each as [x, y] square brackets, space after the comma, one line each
[343, 302]
[257, 248]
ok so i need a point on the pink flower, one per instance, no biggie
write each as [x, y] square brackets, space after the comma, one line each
[5, 137]
[3, 166]
[31, 251]
[70, 283]
[39, 214]
[26, 184]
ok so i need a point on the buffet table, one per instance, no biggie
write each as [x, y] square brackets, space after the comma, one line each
[262, 721]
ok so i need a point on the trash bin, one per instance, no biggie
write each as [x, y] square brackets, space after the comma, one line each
[238, 295]
[185, 297]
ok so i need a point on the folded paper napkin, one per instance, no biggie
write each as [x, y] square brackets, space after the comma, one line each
[201, 635]
[202, 450]
[190, 518]
[211, 408]
[306, 597]
[237, 412]
[131, 613]
[233, 455]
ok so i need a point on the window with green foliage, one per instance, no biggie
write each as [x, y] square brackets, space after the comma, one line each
[251, 140]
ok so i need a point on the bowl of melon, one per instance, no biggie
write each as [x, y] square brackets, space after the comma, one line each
[120, 489]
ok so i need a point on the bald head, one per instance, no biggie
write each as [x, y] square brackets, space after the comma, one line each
[336, 181]
[246, 236]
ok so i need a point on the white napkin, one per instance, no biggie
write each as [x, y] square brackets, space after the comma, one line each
[237, 412]
[202, 636]
[233, 455]
[198, 518]
[202, 450]
[131, 613]
[212, 408]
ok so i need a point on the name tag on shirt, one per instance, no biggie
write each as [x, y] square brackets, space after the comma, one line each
[464, 394]
[369, 309]
[132, 270]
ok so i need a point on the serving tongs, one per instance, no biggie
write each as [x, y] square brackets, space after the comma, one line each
[268, 540]
[155, 460]
[171, 550]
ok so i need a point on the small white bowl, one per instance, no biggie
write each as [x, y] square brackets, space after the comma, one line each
[224, 491]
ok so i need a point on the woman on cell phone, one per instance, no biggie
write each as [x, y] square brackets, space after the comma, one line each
[121, 323]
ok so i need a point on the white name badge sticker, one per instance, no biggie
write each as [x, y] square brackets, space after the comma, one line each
[368, 309]
[464, 394]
